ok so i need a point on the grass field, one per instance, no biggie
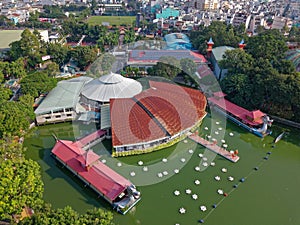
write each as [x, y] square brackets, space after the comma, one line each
[112, 20]
[9, 36]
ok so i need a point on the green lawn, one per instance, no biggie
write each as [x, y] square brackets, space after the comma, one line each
[9, 36]
[112, 20]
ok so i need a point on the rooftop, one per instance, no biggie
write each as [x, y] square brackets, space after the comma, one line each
[111, 86]
[64, 95]
[161, 111]
[219, 52]
[153, 56]
[100, 176]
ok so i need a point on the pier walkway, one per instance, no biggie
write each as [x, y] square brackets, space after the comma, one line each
[215, 148]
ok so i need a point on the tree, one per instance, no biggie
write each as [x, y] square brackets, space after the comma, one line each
[68, 216]
[269, 44]
[167, 67]
[59, 53]
[37, 83]
[188, 66]
[28, 47]
[84, 55]
[52, 69]
[221, 34]
[15, 118]
[102, 65]
[21, 186]
[5, 94]
[237, 61]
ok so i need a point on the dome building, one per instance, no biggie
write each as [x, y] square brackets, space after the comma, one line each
[99, 91]
[85, 99]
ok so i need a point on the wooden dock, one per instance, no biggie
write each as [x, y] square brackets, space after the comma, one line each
[213, 147]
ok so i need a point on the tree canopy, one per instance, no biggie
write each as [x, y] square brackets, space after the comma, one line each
[167, 67]
[68, 216]
[221, 34]
[261, 77]
[37, 83]
[21, 183]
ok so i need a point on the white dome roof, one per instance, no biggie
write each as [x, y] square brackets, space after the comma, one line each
[111, 86]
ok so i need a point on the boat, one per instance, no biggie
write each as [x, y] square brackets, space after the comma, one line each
[278, 138]
[254, 121]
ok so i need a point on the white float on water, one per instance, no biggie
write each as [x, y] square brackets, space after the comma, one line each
[204, 159]
[231, 134]
[119, 164]
[197, 182]
[191, 151]
[159, 174]
[176, 192]
[212, 163]
[230, 178]
[205, 128]
[217, 178]
[182, 160]
[205, 164]
[217, 122]
[216, 132]
[132, 173]
[145, 168]
[188, 191]
[223, 141]
[203, 208]
[224, 170]
[165, 173]
[176, 171]
[103, 160]
[194, 196]
[197, 168]
[182, 210]
[220, 128]
[164, 160]
[200, 155]
[220, 191]
[140, 163]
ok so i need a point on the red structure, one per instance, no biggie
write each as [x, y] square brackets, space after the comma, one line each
[86, 165]
[155, 116]
[210, 45]
[250, 118]
[242, 44]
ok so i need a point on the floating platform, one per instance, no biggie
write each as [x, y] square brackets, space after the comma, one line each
[215, 148]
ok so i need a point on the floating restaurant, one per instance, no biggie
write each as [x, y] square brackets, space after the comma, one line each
[110, 185]
[255, 121]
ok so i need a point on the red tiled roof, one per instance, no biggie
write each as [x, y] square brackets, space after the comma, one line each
[89, 138]
[174, 108]
[236, 110]
[256, 115]
[131, 124]
[89, 157]
[219, 94]
[103, 178]
[203, 70]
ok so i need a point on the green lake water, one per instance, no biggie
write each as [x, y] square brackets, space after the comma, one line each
[268, 196]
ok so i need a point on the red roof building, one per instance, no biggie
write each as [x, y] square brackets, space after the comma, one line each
[86, 165]
[151, 57]
[155, 116]
[251, 118]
